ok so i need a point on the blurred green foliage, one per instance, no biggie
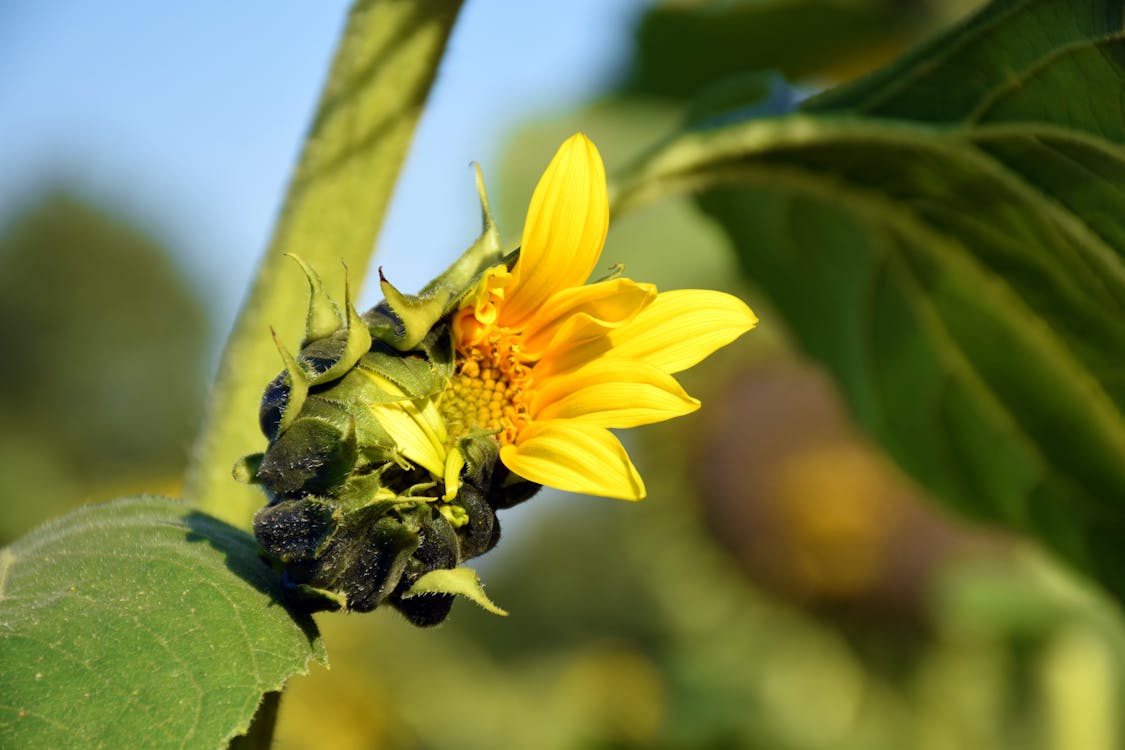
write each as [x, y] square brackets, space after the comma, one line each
[631, 629]
[783, 586]
[381, 74]
[938, 236]
[104, 348]
[683, 48]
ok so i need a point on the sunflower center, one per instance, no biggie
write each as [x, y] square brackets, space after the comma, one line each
[490, 391]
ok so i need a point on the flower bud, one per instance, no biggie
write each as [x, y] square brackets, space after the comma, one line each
[368, 492]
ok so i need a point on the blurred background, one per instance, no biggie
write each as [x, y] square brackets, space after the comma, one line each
[782, 587]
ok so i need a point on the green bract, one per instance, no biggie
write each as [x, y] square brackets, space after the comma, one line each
[370, 502]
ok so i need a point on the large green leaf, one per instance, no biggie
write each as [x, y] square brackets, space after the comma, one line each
[140, 623]
[381, 76]
[946, 237]
[681, 48]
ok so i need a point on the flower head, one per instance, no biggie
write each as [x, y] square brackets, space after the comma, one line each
[394, 437]
[550, 363]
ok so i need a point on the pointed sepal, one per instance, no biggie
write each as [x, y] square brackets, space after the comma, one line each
[329, 358]
[458, 581]
[313, 457]
[245, 469]
[411, 317]
[285, 396]
[416, 313]
[324, 316]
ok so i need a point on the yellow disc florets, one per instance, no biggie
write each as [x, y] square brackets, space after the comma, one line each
[490, 391]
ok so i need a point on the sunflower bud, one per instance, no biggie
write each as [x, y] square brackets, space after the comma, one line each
[369, 494]
[396, 436]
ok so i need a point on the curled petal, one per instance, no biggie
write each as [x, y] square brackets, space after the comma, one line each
[564, 232]
[480, 309]
[583, 312]
[574, 457]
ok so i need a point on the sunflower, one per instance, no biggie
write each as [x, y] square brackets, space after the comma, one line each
[388, 458]
[549, 363]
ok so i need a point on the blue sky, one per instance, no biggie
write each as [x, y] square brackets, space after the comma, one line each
[189, 116]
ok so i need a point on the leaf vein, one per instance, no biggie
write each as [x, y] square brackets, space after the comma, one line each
[988, 102]
[925, 65]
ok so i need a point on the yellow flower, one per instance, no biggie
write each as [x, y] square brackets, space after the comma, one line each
[551, 364]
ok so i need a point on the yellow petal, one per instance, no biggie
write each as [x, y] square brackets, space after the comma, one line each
[454, 463]
[413, 430]
[416, 426]
[574, 457]
[678, 330]
[564, 232]
[582, 312]
[613, 393]
[682, 327]
[480, 308]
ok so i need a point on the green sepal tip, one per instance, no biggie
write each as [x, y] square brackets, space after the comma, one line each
[245, 469]
[329, 358]
[324, 316]
[458, 581]
[298, 385]
[417, 314]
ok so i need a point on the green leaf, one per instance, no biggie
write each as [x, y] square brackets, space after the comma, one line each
[946, 237]
[379, 81]
[458, 581]
[683, 47]
[1025, 51]
[140, 623]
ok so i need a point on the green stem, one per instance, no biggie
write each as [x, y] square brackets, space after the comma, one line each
[381, 76]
